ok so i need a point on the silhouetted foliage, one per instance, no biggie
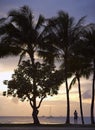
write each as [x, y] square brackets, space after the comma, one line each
[89, 41]
[63, 32]
[58, 38]
[47, 80]
[20, 34]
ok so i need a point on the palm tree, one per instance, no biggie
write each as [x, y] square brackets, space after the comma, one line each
[5, 49]
[24, 35]
[89, 39]
[62, 34]
[80, 67]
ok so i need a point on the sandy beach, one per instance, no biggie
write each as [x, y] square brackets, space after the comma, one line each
[45, 128]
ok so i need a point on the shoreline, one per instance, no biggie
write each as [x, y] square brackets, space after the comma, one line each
[46, 127]
[42, 119]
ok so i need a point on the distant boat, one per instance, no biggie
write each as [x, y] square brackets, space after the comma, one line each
[50, 113]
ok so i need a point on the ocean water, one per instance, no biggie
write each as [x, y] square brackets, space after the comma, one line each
[43, 120]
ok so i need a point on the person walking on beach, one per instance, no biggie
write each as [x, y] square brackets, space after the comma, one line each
[75, 117]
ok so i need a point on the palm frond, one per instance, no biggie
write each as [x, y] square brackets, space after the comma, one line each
[6, 50]
[72, 83]
[40, 21]
[81, 21]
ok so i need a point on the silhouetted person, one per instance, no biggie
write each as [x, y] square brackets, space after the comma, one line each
[75, 117]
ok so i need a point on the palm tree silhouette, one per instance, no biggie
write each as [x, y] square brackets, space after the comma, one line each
[89, 39]
[24, 35]
[80, 67]
[63, 33]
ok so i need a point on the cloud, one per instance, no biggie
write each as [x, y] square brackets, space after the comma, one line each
[8, 63]
[87, 94]
[15, 100]
[11, 107]
[0, 93]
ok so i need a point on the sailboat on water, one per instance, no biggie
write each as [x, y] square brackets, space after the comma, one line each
[50, 112]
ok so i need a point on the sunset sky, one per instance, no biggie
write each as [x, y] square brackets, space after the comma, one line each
[56, 105]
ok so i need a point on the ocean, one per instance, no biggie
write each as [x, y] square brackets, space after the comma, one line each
[43, 120]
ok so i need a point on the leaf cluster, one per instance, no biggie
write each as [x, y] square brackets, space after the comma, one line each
[47, 80]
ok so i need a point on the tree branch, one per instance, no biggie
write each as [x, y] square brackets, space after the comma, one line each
[41, 101]
[30, 100]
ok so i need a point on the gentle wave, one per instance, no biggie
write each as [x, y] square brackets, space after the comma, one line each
[43, 120]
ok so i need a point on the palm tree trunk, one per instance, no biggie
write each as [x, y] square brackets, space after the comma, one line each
[92, 102]
[68, 104]
[81, 110]
[67, 91]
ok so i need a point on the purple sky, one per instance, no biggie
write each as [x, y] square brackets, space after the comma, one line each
[49, 8]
